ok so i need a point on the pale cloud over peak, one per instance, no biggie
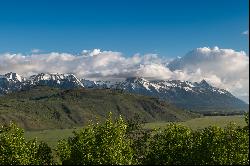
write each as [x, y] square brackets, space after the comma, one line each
[224, 68]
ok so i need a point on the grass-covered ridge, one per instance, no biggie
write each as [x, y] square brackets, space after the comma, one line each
[49, 108]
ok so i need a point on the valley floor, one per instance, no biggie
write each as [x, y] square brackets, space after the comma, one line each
[52, 136]
[199, 123]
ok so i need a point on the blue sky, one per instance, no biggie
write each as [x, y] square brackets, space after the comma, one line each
[167, 27]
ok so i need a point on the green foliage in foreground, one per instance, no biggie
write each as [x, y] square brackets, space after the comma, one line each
[213, 145]
[14, 150]
[120, 142]
[98, 144]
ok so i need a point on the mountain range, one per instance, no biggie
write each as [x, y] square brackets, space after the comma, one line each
[43, 107]
[194, 96]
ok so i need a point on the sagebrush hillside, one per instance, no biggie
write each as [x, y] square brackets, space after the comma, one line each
[44, 107]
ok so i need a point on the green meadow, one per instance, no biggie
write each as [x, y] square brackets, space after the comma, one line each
[52, 136]
[199, 123]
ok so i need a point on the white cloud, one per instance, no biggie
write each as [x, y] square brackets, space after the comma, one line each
[224, 68]
[245, 32]
[154, 71]
[91, 53]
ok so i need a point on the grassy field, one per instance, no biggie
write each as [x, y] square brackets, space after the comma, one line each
[50, 136]
[199, 123]
[53, 136]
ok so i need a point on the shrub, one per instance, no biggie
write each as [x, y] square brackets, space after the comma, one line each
[170, 146]
[212, 145]
[140, 138]
[98, 144]
[15, 150]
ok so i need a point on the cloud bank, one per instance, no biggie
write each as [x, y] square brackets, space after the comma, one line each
[224, 68]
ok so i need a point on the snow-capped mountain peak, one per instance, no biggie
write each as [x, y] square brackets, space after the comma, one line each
[55, 79]
[204, 84]
[13, 77]
[136, 79]
[14, 82]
